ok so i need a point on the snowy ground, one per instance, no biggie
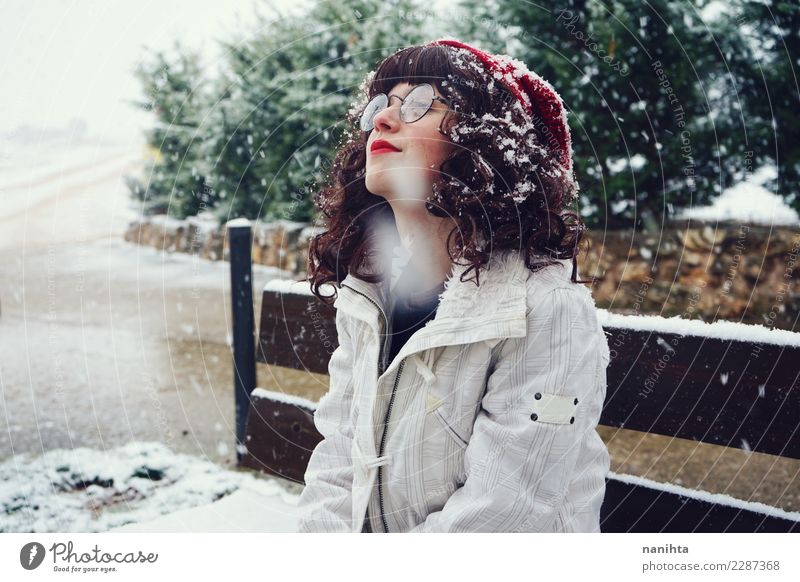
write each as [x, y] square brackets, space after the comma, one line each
[105, 344]
[143, 485]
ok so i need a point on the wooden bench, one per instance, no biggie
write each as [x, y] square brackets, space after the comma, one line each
[727, 384]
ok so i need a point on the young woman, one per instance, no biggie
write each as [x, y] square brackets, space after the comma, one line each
[456, 403]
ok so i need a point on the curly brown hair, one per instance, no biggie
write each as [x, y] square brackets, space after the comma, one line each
[502, 186]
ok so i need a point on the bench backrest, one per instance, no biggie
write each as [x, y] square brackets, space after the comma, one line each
[727, 384]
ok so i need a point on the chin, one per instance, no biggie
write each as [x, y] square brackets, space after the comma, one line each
[376, 186]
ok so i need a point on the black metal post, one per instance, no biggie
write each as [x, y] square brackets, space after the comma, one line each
[244, 345]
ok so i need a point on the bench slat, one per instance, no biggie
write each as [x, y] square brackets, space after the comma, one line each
[281, 436]
[723, 392]
[636, 508]
[296, 331]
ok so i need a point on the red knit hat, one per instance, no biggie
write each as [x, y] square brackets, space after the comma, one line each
[537, 96]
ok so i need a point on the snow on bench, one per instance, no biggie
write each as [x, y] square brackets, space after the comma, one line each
[724, 383]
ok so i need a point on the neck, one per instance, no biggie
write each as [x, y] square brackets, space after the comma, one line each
[425, 238]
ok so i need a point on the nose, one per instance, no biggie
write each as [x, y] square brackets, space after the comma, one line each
[388, 119]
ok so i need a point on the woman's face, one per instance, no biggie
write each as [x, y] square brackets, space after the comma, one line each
[406, 176]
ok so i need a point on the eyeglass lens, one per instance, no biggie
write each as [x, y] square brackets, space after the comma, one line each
[414, 106]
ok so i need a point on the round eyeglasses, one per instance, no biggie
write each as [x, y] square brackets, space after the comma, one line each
[415, 105]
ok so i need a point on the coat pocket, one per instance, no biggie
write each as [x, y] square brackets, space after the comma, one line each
[460, 440]
[441, 467]
[434, 406]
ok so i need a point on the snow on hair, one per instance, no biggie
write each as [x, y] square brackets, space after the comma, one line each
[504, 186]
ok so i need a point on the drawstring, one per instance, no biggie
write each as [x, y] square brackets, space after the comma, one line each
[424, 370]
[378, 461]
[432, 402]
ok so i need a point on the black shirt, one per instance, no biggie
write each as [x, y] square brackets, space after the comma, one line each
[412, 310]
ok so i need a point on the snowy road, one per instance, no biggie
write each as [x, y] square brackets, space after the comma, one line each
[103, 342]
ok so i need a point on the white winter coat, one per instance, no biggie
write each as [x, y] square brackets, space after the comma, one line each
[462, 451]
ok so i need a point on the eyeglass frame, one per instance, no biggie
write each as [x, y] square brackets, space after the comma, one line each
[402, 101]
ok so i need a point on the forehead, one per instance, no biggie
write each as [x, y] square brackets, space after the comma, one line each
[404, 88]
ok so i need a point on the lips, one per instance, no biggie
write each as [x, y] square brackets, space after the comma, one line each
[381, 146]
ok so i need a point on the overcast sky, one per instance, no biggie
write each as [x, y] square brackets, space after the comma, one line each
[69, 60]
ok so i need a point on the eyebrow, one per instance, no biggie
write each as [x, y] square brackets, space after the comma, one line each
[406, 95]
[390, 95]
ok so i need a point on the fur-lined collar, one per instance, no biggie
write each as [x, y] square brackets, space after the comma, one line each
[494, 310]
[501, 294]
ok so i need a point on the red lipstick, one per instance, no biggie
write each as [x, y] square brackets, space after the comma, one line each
[381, 146]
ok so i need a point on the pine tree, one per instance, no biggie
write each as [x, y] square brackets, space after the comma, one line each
[768, 72]
[173, 88]
[279, 109]
[640, 80]
[260, 141]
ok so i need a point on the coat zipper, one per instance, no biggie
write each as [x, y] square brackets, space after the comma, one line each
[381, 368]
[383, 441]
[381, 363]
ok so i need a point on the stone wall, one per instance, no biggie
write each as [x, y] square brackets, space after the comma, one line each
[725, 271]
[731, 272]
[282, 243]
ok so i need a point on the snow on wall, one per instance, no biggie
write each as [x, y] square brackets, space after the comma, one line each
[205, 223]
[747, 203]
[238, 223]
[725, 330]
[172, 258]
[166, 222]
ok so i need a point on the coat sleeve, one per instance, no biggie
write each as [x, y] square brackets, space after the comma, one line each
[518, 469]
[325, 505]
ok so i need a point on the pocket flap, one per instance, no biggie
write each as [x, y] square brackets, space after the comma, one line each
[554, 408]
